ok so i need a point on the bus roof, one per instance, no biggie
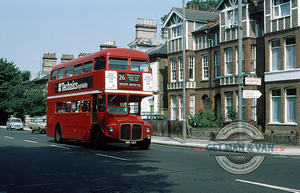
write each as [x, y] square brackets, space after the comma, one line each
[111, 52]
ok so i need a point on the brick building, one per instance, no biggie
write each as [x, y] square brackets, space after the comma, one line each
[211, 60]
[270, 30]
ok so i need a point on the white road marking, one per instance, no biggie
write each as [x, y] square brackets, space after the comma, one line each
[111, 157]
[30, 141]
[60, 147]
[270, 186]
[9, 137]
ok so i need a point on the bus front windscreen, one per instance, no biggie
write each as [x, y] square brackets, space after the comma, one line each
[138, 65]
[117, 104]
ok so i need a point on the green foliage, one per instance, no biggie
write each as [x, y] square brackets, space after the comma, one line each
[232, 114]
[19, 99]
[204, 118]
[25, 75]
[204, 5]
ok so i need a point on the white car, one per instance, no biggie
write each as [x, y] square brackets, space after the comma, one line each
[14, 123]
[38, 124]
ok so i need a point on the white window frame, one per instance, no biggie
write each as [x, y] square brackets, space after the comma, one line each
[243, 59]
[278, 8]
[290, 59]
[228, 96]
[253, 59]
[192, 104]
[173, 107]
[217, 64]
[254, 109]
[272, 108]
[231, 18]
[205, 67]
[192, 68]
[228, 61]
[294, 105]
[180, 107]
[275, 49]
[180, 69]
[173, 70]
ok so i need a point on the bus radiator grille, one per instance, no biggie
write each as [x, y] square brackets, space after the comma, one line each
[131, 132]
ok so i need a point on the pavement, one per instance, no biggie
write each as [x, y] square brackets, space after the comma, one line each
[217, 146]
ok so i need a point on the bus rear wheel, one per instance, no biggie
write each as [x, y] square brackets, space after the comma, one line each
[57, 137]
[98, 139]
[144, 145]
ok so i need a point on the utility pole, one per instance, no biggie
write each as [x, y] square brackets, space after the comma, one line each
[240, 63]
[183, 81]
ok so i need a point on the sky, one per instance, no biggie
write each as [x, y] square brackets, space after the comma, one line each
[30, 28]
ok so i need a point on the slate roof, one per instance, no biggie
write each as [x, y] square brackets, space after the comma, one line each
[196, 15]
[159, 50]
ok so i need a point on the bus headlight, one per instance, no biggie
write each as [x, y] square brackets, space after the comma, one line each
[148, 130]
[111, 129]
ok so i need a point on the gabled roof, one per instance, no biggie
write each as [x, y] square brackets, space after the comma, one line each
[196, 15]
[192, 15]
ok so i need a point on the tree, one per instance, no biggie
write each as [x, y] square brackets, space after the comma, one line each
[18, 98]
[10, 76]
[204, 5]
[25, 75]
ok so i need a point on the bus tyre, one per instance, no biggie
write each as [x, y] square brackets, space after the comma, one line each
[143, 145]
[98, 139]
[58, 134]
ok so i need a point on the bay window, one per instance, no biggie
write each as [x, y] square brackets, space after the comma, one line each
[281, 8]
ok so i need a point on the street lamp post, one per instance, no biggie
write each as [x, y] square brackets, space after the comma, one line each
[183, 81]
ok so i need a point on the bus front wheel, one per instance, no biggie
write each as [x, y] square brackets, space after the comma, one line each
[58, 134]
[143, 145]
[98, 139]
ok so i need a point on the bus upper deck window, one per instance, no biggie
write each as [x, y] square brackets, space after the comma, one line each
[138, 65]
[77, 69]
[99, 63]
[87, 67]
[118, 64]
[61, 73]
[69, 71]
[53, 75]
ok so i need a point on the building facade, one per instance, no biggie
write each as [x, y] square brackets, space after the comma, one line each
[211, 61]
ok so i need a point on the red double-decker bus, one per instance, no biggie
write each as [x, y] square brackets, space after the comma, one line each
[97, 98]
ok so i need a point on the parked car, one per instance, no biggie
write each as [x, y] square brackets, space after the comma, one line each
[14, 123]
[153, 116]
[38, 124]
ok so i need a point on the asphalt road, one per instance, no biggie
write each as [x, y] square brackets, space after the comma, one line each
[35, 163]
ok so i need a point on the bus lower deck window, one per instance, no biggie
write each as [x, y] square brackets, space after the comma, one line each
[85, 106]
[59, 107]
[75, 106]
[67, 107]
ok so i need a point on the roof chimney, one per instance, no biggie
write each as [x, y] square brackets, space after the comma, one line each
[145, 28]
[66, 57]
[108, 44]
[49, 60]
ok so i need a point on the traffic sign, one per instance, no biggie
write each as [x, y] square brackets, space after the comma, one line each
[249, 94]
[252, 81]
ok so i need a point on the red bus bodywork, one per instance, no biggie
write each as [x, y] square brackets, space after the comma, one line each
[80, 93]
